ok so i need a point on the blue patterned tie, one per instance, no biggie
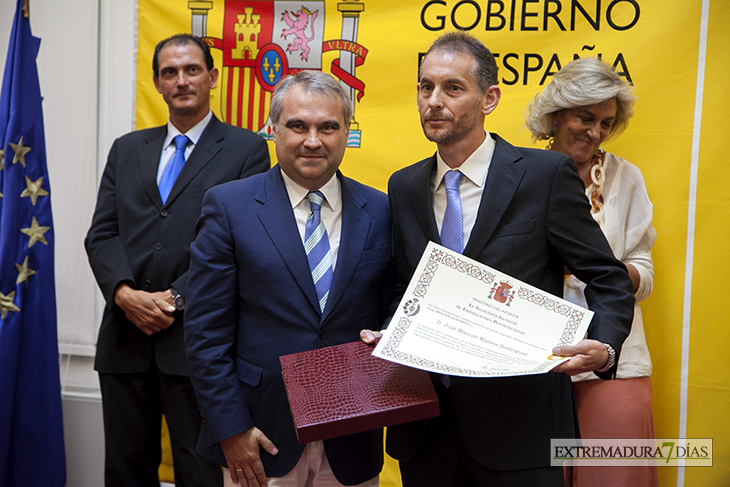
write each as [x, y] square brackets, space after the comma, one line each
[317, 246]
[452, 234]
[174, 167]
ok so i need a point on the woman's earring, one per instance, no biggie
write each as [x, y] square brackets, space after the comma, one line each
[553, 131]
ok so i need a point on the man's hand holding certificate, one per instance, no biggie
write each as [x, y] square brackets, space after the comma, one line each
[460, 317]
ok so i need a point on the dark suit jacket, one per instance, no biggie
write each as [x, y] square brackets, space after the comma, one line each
[533, 220]
[134, 238]
[252, 299]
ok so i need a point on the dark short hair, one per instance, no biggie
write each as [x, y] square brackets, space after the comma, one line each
[312, 82]
[181, 40]
[485, 68]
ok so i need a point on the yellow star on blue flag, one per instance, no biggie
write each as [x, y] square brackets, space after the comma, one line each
[20, 151]
[33, 189]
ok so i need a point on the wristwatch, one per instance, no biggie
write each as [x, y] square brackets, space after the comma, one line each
[177, 301]
[611, 359]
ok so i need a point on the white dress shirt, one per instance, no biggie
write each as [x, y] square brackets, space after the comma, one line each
[330, 213]
[471, 186]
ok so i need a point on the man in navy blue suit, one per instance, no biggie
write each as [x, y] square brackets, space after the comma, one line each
[256, 291]
[522, 211]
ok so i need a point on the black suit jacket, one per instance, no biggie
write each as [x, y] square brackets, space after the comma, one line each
[134, 238]
[533, 220]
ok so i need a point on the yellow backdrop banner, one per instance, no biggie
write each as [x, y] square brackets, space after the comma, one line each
[374, 47]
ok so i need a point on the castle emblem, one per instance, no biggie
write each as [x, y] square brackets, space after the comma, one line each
[247, 31]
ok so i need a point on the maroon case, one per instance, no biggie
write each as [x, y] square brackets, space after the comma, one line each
[341, 390]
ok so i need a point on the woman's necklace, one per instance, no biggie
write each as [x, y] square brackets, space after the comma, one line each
[588, 168]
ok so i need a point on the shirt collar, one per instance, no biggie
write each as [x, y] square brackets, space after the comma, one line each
[193, 134]
[474, 168]
[297, 192]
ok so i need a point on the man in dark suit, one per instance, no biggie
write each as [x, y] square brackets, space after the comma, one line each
[257, 292]
[523, 211]
[138, 247]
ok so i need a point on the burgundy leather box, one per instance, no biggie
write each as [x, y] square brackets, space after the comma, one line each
[341, 390]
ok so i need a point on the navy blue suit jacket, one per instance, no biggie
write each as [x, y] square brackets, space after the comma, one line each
[251, 299]
[533, 220]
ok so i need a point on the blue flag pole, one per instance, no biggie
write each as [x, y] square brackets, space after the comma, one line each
[31, 423]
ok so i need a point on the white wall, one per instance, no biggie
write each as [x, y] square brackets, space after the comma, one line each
[86, 70]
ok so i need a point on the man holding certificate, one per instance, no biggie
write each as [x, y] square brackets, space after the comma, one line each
[524, 213]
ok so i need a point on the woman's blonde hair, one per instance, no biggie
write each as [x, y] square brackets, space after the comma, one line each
[580, 83]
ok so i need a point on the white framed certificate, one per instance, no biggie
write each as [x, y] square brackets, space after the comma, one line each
[459, 317]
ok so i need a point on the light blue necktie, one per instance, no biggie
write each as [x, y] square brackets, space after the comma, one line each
[317, 246]
[452, 234]
[174, 167]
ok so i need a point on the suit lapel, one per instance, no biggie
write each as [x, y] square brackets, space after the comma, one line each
[209, 144]
[502, 182]
[355, 228]
[423, 200]
[148, 158]
[277, 218]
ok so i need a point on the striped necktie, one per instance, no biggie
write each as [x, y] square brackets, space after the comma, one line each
[167, 181]
[317, 246]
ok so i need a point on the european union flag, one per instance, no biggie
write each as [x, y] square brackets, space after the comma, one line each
[31, 424]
